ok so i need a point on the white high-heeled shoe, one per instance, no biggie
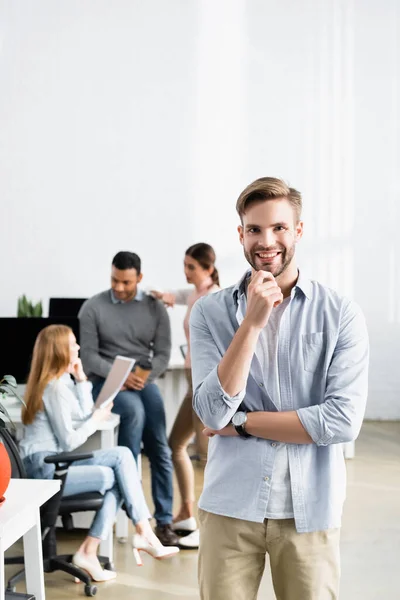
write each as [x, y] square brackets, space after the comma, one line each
[141, 544]
[191, 541]
[186, 525]
[96, 572]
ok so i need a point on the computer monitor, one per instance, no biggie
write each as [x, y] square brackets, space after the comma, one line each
[65, 307]
[18, 335]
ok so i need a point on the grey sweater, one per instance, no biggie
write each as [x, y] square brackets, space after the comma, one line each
[136, 329]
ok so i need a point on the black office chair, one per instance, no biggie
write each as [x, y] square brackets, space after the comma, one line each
[56, 506]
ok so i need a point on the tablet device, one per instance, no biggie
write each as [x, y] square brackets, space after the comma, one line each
[120, 370]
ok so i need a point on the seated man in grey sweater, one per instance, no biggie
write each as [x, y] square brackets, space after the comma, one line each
[124, 320]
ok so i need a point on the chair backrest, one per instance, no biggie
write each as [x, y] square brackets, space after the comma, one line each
[49, 510]
[17, 466]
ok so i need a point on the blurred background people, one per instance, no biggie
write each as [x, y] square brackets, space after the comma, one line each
[201, 272]
[125, 321]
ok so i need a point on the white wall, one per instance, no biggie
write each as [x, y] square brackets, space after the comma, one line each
[135, 125]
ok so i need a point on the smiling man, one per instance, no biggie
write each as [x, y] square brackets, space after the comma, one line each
[124, 320]
[280, 370]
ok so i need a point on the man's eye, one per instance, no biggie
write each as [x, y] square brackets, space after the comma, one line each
[279, 228]
[253, 230]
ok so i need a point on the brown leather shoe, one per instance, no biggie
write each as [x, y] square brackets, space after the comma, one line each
[166, 536]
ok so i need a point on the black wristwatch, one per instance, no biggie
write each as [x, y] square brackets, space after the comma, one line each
[239, 421]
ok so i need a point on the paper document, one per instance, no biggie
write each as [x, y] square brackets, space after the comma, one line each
[120, 370]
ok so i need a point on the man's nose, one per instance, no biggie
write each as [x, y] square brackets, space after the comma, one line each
[267, 238]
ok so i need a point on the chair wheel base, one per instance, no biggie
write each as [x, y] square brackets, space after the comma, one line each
[90, 590]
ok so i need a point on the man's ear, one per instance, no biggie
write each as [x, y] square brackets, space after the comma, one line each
[298, 231]
[240, 231]
[140, 277]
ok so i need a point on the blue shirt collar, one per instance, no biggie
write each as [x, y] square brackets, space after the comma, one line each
[139, 297]
[303, 284]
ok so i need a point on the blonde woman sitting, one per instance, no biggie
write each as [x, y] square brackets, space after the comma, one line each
[59, 417]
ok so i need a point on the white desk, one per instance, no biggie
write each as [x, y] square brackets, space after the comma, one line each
[20, 516]
[173, 386]
[105, 436]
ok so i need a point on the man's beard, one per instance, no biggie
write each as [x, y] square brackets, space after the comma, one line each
[286, 256]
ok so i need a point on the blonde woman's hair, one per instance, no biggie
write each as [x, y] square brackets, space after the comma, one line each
[50, 359]
[268, 188]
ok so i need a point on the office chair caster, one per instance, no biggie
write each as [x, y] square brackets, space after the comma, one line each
[90, 590]
[11, 589]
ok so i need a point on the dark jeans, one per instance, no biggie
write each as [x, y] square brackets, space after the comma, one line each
[143, 420]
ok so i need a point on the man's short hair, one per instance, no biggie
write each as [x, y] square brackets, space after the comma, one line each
[127, 260]
[268, 188]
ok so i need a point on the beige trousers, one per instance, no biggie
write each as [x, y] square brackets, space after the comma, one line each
[187, 423]
[304, 566]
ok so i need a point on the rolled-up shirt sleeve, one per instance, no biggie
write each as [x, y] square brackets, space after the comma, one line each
[212, 404]
[339, 417]
[84, 393]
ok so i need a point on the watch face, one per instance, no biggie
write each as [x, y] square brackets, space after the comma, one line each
[239, 419]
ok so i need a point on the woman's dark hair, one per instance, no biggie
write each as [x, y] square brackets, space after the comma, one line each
[127, 260]
[205, 256]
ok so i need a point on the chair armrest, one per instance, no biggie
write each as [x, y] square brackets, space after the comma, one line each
[67, 457]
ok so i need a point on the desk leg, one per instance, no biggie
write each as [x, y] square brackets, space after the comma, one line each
[349, 450]
[107, 439]
[34, 560]
[2, 584]
[106, 443]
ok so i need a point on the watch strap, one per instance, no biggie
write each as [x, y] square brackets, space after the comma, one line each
[241, 431]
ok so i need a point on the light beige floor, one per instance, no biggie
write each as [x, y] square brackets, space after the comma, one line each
[370, 538]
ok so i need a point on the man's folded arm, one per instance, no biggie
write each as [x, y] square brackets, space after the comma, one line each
[212, 404]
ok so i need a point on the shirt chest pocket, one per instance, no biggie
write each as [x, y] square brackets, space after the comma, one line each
[314, 350]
